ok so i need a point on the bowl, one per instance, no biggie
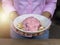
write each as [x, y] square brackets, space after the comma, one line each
[45, 22]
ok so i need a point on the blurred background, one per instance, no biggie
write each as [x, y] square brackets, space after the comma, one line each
[54, 29]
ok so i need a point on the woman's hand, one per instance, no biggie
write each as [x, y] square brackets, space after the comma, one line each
[47, 14]
[13, 15]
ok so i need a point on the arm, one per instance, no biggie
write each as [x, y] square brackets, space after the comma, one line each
[8, 7]
[49, 8]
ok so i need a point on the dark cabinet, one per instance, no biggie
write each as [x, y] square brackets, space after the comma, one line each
[57, 11]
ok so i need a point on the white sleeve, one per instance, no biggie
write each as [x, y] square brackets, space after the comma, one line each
[7, 6]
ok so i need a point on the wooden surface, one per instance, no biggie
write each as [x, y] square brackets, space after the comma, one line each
[29, 42]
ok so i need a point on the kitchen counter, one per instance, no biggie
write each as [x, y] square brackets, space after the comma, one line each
[29, 42]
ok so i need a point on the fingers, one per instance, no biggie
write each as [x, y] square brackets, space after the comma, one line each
[28, 34]
[24, 34]
[37, 34]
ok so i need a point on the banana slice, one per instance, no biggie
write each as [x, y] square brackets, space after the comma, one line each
[20, 25]
[41, 28]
